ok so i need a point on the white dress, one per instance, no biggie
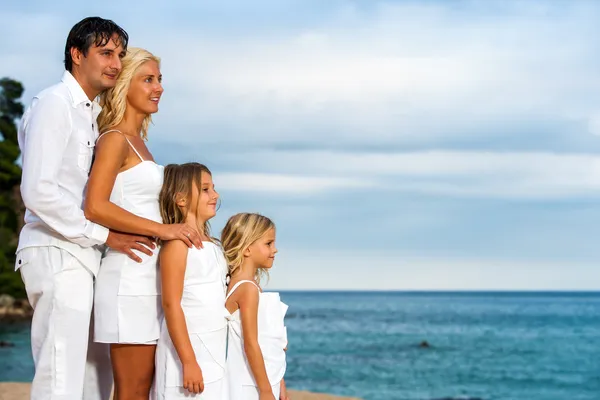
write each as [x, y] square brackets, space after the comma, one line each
[127, 305]
[203, 304]
[272, 339]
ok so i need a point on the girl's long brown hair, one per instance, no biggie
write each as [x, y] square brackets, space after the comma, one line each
[179, 180]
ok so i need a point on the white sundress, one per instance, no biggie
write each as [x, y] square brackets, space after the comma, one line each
[203, 304]
[272, 339]
[127, 304]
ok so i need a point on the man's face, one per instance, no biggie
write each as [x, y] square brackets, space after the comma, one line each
[101, 67]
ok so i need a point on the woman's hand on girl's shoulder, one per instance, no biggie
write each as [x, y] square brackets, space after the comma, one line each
[184, 232]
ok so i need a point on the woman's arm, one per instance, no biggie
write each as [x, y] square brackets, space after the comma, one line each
[111, 153]
[247, 299]
[173, 259]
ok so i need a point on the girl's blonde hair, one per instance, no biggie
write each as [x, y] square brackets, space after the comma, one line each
[114, 100]
[179, 181]
[239, 233]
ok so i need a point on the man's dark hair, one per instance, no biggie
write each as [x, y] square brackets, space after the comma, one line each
[92, 31]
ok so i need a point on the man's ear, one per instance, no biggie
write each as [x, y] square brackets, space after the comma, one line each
[76, 55]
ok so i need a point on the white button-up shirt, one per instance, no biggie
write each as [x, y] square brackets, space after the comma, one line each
[57, 137]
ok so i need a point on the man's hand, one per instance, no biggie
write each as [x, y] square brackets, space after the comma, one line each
[125, 243]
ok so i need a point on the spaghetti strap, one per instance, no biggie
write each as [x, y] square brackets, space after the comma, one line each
[136, 152]
[108, 131]
[237, 285]
[125, 136]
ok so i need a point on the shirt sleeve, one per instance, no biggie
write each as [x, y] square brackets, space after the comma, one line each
[46, 132]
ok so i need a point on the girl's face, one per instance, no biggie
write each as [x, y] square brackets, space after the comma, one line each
[204, 200]
[262, 252]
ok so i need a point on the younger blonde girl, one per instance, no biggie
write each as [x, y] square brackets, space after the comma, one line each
[257, 336]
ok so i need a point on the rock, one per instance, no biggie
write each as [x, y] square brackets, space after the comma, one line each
[14, 310]
[18, 312]
[6, 301]
[23, 304]
[424, 344]
[4, 343]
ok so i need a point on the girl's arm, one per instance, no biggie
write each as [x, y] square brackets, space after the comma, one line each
[110, 154]
[248, 303]
[173, 258]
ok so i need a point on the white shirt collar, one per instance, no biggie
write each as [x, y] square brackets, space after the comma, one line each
[77, 94]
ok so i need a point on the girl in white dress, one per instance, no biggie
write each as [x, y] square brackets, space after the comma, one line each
[257, 334]
[190, 357]
[122, 194]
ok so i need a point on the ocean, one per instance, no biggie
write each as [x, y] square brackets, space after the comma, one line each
[425, 345]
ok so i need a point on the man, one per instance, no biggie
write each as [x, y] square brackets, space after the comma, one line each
[59, 249]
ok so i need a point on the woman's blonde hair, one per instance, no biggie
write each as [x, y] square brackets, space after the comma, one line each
[239, 233]
[179, 181]
[114, 100]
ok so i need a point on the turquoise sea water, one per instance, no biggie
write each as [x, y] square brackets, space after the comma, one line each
[492, 346]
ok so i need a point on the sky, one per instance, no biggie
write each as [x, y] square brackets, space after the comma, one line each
[397, 145]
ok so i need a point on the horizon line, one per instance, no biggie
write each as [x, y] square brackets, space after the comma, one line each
[483, 290]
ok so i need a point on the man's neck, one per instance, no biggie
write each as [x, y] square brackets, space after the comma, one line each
[90, 92]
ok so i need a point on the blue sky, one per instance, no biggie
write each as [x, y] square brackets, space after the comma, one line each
[397, 145]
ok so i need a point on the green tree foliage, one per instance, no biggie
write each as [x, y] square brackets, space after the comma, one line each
[11, 207]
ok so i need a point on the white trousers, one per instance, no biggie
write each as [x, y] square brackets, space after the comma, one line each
[68, 365]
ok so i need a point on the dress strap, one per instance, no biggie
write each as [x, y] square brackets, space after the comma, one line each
[237, 285]
[108, 131]
[133, 147]
[125, 136]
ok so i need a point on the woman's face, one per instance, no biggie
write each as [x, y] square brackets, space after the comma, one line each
[145, 88]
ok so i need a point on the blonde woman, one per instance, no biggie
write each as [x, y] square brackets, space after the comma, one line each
[190, 357]
[257, 337]
[122, 194]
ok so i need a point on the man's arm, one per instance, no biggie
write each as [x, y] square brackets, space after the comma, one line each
[47, 132]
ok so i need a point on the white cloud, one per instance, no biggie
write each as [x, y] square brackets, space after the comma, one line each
[280, 183]
[392, 73]
[410, 75]
[594, 123]
[396, 73]
[402, 73]
[452, 173]
[309, 269]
